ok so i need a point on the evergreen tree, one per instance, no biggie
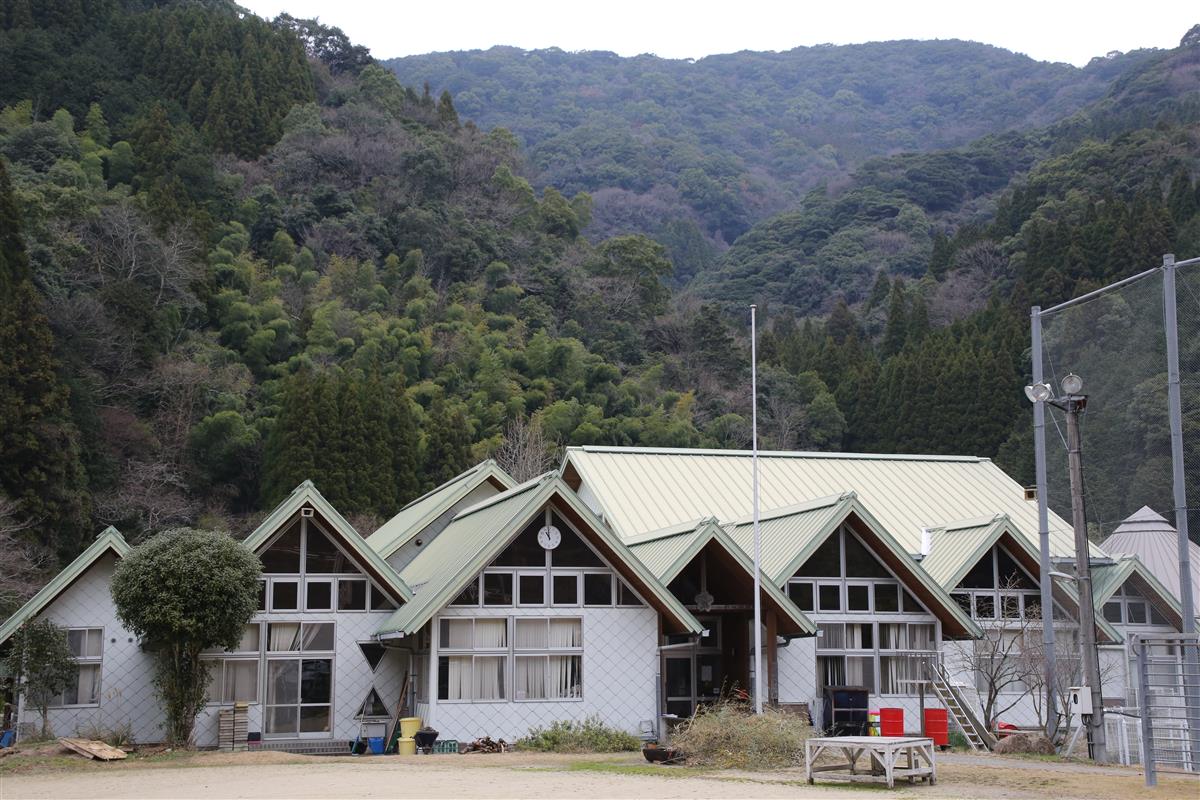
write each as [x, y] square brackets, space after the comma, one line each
[447, 443]
[292, 450]
[40, 465]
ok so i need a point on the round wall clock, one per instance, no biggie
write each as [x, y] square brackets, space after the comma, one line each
[549, 537]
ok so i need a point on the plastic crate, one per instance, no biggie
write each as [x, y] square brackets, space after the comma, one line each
[445, 746]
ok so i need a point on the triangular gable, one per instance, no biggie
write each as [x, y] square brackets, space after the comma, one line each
[796, 533]
[1107, 579]
[956, 548]
[477, 535]
[342, 532]
[666, 553]
[420, 513]
[110, 539]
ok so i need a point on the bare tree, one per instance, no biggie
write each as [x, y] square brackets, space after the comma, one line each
[525, 451]
[1068, 672]
[24, 565]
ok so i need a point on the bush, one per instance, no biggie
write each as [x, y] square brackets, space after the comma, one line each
[589, 736]
[729, 735]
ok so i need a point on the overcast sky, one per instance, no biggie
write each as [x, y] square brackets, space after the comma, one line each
[1048, 30]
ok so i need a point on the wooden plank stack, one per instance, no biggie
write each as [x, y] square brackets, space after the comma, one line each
[232, 728]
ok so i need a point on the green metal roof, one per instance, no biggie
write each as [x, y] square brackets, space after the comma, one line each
[477, 535]
[1108, 578]
[665, 553]
[644, 489]
[307, 494]
[957, 547]
[790, 536]
[110, 539]
[420, 513]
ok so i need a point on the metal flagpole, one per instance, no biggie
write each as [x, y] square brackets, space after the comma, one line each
[758, 676]
[1045, 581]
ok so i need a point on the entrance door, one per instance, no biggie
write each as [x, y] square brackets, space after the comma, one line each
[680, 687]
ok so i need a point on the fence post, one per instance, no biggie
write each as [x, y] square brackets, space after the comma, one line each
[1143, 667]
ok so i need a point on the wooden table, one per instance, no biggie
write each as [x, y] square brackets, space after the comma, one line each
[883, 753]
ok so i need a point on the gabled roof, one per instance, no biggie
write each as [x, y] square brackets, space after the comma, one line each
[957, 547]
[1108, 578]
[306, 494]
[791, 535]
[420, 513]
[110, 539]
[641, 489]
[667, 552]
[1150, 537]
[477, 535]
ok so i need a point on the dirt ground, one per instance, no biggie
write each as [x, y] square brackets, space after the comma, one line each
[277, 775]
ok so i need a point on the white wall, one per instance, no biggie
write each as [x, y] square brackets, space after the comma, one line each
[620, 669]
[126, 673]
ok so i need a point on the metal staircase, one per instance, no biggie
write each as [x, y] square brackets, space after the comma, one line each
[960, 709]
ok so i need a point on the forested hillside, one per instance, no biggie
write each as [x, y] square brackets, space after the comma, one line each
[695, 152]
[237, 254]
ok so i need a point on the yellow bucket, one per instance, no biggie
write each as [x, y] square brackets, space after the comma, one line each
[406, 746]
[409, 726]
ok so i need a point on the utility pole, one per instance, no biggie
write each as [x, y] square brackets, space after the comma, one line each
[1046, 583]
[1074, 405]
[758, 676]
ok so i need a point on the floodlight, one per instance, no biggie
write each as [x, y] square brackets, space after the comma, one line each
[1072, 384]
[1038, 392]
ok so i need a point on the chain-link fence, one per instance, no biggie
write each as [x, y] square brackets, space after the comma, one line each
[1115, 340]
[1170, 723]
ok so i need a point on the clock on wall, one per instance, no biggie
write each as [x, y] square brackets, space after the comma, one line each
[549, 537]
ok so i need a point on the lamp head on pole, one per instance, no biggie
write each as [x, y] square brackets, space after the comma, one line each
[1072, 384]
[1039, 392]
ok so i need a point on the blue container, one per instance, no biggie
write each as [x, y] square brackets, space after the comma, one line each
[376, 745]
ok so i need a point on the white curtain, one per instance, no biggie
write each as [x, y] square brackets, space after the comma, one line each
[854, 636]
[530, 681]
[564, 677]
[860, 672]
[531, 634]
[832, 637]
[89, 683]
[920, 637]
[241, 681]
[895, 669]
[833, 670]
[489, 678]
[565, 633]
[456, 634]
[318, 636]
[893, 636]
[283, 636]
[458, 685]
[491, 634]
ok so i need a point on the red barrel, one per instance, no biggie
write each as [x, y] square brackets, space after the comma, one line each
[891, 722]
[937, 726]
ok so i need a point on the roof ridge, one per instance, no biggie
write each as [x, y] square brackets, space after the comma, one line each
[690, 451]
[795, 508]
[680, 529]
[520, 488]
[971, 522]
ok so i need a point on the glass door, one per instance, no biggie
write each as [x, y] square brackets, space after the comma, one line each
[299, 698]
[680, 689]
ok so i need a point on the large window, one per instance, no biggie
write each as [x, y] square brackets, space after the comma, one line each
[879, 656]
[87, 645]
[543, 655]
[299, 679]
[304, 570]
[1128, 606]
[844, 576]
[999, 589]
[568, 576]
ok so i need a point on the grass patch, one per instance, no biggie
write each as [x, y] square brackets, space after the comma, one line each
[589, 736]
[729, 735]
[611, 768]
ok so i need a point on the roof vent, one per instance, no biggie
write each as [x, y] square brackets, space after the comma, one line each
[1031, 493]
[926, 542]
[306, 512]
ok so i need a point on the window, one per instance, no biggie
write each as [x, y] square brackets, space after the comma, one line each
[830, 597]
[497, 589]
[887, 598]
[380, 601]
[801, 593]
[556, 673]
[597, 589]
[318, 595]
[626, 596]
[469, 595]
[233, 674]
[352, 594]
[531, 589]
[565, 589]
[284, 595]
[299, 679]
[1112, 611]
[858, 597]
[1130, 607]
[87, 645]
[477, 670]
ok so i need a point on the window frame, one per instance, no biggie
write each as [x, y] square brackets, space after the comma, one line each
[85, 662]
